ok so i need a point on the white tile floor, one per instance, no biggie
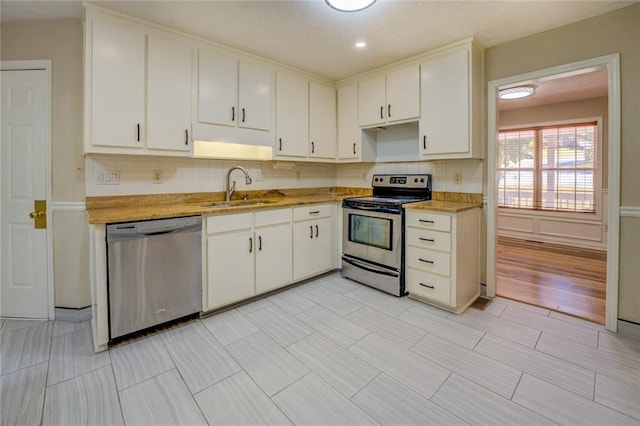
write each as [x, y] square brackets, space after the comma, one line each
[328, 352]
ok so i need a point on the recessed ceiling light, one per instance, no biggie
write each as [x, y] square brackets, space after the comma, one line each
[350, 5]
[360, 44]
[516, 92]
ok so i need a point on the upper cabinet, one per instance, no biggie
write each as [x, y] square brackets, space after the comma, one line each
[451, 94]
[234, 93]
[129, 72]
[350, 141]
[389, 98]
[305, 119]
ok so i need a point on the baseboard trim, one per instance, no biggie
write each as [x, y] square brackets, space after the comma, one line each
[68, 206]
[73, 315]
[629, 211]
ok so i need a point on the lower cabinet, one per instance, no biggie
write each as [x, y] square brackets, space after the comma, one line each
[247, 254]
[314, 240]
[442, 257]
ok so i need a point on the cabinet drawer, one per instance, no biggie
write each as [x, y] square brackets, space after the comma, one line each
[272, 217]
[429, 260]
[433, 240]
[429, 286]
[437, 222]
[312, 212]
[229, 222]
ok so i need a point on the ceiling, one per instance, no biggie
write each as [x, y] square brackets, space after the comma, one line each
[311, 36]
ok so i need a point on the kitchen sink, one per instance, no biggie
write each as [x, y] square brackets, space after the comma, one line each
[236, 203]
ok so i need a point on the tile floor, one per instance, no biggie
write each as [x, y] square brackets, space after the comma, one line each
[328, 352]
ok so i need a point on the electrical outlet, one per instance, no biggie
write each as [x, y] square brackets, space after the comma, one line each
[110, 177]
[457, 178]
[157, 176]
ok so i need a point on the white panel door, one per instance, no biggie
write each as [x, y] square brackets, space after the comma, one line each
[444, 123]
[217, 88]
[24, 290]
[371, 101]
[169, 94]
[322, 121]
[117, 85]
[348, 129]
[403, 94]
[255, 98]
[292, 116]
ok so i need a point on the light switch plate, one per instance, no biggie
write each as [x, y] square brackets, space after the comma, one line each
[457, 178]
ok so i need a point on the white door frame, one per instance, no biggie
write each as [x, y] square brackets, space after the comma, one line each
[44, 65]
[612, 62]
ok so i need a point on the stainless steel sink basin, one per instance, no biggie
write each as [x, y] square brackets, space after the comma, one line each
[236, 203]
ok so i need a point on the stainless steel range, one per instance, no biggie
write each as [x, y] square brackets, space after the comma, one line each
[373, 231]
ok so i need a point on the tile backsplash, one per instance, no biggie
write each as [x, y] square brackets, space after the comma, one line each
[166, 175]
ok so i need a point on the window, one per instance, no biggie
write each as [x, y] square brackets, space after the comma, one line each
[548, 168]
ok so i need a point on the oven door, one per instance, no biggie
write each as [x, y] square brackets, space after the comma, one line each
[372, 236]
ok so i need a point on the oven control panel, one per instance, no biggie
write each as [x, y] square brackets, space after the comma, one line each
[401, 181]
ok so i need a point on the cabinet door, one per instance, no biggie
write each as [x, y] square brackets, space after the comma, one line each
[322, 121]
[444, 123]
[255, 100]
[230, 262]
[274, 257]
[217, 88]
[348, 129]
[371, 101]
[292, 116]
[168, 94]
[117, 85]
[312, 247]
[403, 94]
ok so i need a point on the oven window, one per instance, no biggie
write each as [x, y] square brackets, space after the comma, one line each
[372, 231]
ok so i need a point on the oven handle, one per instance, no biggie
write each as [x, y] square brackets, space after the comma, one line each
[370, 208]
[369, 268]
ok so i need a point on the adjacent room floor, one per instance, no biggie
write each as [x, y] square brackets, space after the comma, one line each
[560, 278]
[329, 351]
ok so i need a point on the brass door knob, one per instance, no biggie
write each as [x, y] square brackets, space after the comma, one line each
[36, 215]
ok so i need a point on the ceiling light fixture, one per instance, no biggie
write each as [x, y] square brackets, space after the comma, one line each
[360, 44]
[516, 92]
[350, 5]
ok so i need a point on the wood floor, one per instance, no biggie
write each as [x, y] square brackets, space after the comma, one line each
[561, 278]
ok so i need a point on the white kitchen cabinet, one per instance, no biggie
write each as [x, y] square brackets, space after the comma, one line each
[442, 257]
[234, 93]
[247, 254]
[139, 88]
[451, 97]
[168, 94]
[322, 121]
[351, 146]
[292, 116]
[314, 240]
[117, 84]
[389, 98]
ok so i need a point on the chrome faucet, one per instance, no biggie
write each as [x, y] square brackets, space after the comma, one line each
[231, 189]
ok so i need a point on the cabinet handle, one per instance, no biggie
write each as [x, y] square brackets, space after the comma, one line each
[243, 115]
[233, 114]
[280, 144]
[427, 239]
[425, 221]
[250, 244]
[313, 147]
[425, 261]
[389, 111]
[186, 136]
[310, 231]
[354, 148]
[316, 231]
[427, 286]
[382, 112]
[259, 242]
[315, 212]
[138, 132]
[424, 142]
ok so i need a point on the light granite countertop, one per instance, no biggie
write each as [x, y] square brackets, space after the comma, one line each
[442, 206]
[127, 208]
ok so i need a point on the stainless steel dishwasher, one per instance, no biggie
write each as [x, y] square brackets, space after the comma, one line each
[154, 272]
